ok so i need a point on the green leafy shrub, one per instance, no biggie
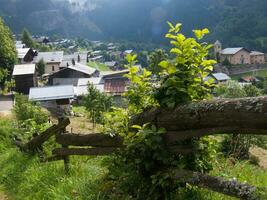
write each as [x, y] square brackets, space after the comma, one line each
[96, 104]
[141, 169]
[183, 77]
[237, 145]
[140, 93]
[30, 116]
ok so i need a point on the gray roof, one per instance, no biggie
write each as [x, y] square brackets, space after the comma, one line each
[51, 93]
[221, 76]
[82, 68]
[22, 52]
[256, 53]
[83, 90]
[76, 81]
[23, 69]
[112, 73]
[49, 57]
[128, 51]
[111, 63]
[96, 58]
[85, 81]
[232, 51]
[217, 42]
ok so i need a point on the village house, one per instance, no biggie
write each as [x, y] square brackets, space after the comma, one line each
[236, 56]
[115, 84]
[112, 65]
[257, 57]
[41, 39]
[248, 79]
[52, 60]
[219, 77]
[25, 55]
[73, 73]
[20, 45]
[97, 58]
[78, 57]
[57, 99]
[25, 77]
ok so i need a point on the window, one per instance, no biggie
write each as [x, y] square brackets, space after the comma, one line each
[53, 68]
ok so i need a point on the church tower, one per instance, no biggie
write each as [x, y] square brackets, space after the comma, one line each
[217, 50]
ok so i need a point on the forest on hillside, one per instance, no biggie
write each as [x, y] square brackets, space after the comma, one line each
[235, 23]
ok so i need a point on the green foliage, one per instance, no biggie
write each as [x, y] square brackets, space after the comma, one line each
[116, 122]
[96, 103]
[41, 67]
[252, 91]
[31, 118]
[140, 92]
[140, 171]
[8, 54]
[155, 58]
[3, 75]
[226, 62]
[135, 170]
[237, 145]
[183, 77]
[25, 110]
[26, 38]
[230, 89]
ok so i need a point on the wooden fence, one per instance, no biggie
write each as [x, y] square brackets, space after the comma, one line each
[242, 116]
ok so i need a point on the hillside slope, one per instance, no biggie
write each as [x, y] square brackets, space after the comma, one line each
[235, 23]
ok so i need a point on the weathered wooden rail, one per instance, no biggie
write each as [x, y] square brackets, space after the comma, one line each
[197, 119]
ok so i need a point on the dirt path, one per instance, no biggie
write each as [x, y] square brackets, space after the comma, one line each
[3, 196]
[260, 155]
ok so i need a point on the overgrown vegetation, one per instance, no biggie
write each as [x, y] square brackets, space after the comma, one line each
[140, 171]
[96, 103]
[238, 146]
[31, 118]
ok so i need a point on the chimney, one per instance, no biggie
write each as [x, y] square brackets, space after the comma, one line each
[73, 61]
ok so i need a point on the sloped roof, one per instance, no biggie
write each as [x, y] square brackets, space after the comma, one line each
[82, 90]
[51, 93]
[256, 53]
[112, 73]
[221, 76]
[82, 68]
[50, 57]
[217, 42]
[85, 81]
[23, 69]
[232, 51]
[111, 63]
[22, 52]
[128, 51]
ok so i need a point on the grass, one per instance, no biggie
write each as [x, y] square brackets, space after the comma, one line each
[99, 66]
[81, 124]
[24, 177]
[259, 73]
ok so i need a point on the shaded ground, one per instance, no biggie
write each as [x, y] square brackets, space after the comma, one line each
[6, 104]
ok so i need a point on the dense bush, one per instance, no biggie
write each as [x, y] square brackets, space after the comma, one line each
[96, 103]
[237, 145]
[30, 116]
[142, 169]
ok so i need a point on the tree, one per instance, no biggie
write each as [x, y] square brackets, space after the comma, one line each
[230, 89]
[155, 58]
[27, 38]
[8, 54]
[226, 62]
[41, 67]
[96, 103]
[238, 145]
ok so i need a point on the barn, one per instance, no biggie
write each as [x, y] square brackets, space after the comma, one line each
[25, 77]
